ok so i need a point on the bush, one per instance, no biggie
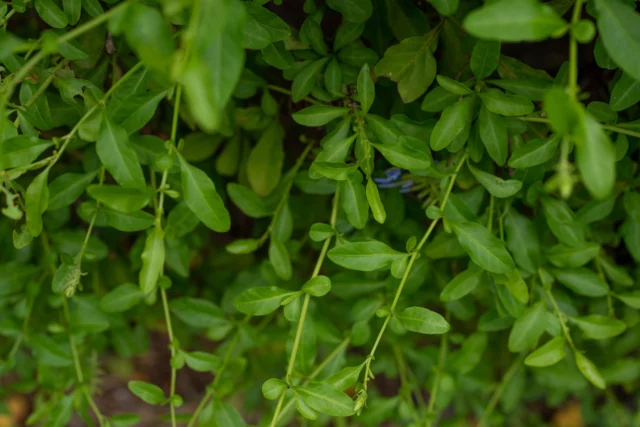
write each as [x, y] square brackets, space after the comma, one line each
[402, 213]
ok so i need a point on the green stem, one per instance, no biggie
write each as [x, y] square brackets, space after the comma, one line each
[490, 220]
[43, 87]
[561, 317]
[288, 92]
[315, 373]
[69, 137]
[414, 255]
[506, 379]
[78, 31]
[285, 195]
[303, 311]
[442, 358]
[87, 236]
[573, 51]
[404, 383]
[174, 132]
[78, 366]
[172, 347]
[612, 128]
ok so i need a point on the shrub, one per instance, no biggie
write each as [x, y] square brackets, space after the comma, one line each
[397, 212]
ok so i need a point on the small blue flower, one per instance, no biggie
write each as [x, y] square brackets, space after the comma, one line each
[392, 175]
[406, 187]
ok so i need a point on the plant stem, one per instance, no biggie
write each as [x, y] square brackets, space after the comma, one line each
[174, 131]
[78, 31]
[561, 317]
[285, 195]
[303, 311]
[68, 137]
[211, 390]
[414, 255]
[442, 357]
[498, 392]
[316, 372]
[172, 347]
[288, 92]
[87, 236]
[490, 220]
[573, 51]
[404, 383]
[78, 366]
[43, 87]
[612, 128]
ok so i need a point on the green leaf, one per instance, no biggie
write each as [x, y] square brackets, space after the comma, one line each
[366, 89]
[499, 102]
[522, 241]
[121, 299]
[528, 328]
[273, 388]
[319, 115]
[496, 186]
[326, 399]
[347, 32]
[20, 151]
[248, 201]
[561, 221]
[589, 370]
[625, 93]
[333, 77]
[423, 321]
[37, 200]
[226, 415]
[209, 77]
[264, 166]
[337, 171]
[263, 27]
[51, 13]
[136, 111]
[534, 152]
[596, 157]
[598, 327]
[407, 153]
[129, 221]
[352, 10]
[200, 361]
[321, 232]
[632, 299]
[550, 353]
[150, 393]
[461, 285]
[619, 30]
[61, 412]
[307, 79]
[364, 256]
[454, 121]
[410, 64]
[493, 133]
[121, 198]
[279, 257]
[311, 34]
[67, 188]
[453, 86]
[197, 312]
[153, 257]
[260, 300]
[346, 377]
[150, 37]
[200, 194]
[376, 205]
[118, 156]
[317, 286]
[514, 21]
[354, 200]
[484, 58]
[438, 99]
[533, 89]
[567, 256]
[582, 281]
[243, 246]
[445, 7]
[484, 248]
[73, 9]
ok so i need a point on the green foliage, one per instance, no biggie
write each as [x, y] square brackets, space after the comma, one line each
[292, 195]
